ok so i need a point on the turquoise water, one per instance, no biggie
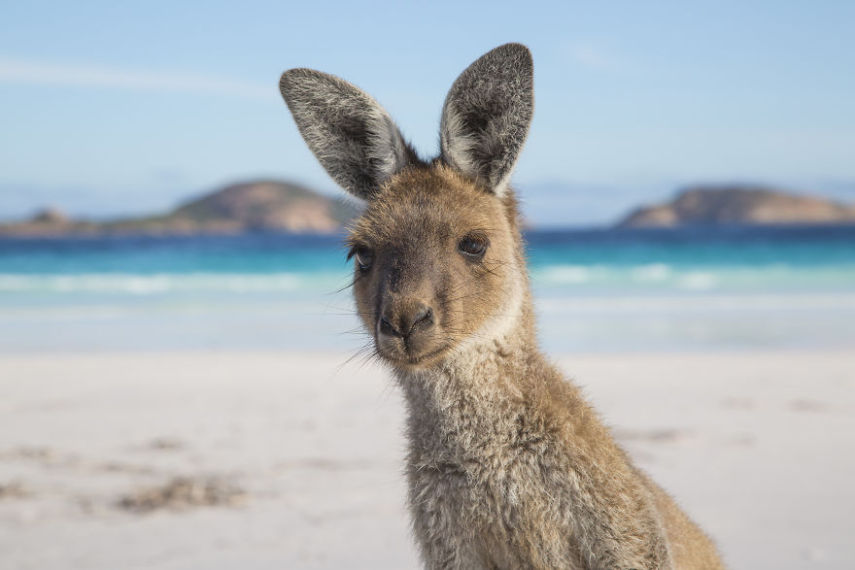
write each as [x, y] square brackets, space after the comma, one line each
[598, 290]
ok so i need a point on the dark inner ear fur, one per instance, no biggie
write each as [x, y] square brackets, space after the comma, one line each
[351, 135]
[487, 114]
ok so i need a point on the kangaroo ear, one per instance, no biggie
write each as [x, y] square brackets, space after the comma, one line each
[487, 114]
[351, 135]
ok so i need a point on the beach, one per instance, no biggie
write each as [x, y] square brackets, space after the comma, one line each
[273, 459]
[207, 402]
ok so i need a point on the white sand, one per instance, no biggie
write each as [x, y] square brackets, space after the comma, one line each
[758, 447]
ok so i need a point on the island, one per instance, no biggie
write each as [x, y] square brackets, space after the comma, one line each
[284, 207]
[260, 205]
[739, 205]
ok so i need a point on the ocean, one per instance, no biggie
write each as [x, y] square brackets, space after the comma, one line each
[595, 291]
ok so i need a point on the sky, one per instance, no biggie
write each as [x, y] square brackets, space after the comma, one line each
[129, 107]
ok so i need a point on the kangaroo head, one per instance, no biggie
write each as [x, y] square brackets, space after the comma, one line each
[437, 253]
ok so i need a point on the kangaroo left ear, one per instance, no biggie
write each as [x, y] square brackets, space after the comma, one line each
[487, 114]
[351, 135]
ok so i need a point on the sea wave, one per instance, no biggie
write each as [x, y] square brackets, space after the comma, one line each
[687, 278]
[709, 303]
[141, 284]
[565, 274]
[569, 279]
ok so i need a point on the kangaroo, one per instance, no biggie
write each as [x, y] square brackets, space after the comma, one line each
[508, 466]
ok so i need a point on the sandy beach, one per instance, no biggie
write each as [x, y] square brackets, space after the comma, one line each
[257, 460]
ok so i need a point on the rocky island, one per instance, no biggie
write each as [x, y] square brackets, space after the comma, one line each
[739, 205]
[262, 205]
[276, 206]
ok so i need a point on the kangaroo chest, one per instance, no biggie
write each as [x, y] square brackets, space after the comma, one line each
[496, 494]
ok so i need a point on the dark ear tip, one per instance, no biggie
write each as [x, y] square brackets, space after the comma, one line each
[507, 60]
[301, 80]
[517, 52]
[286, 82]
[516, 48]
[292, 76]
[297, 82]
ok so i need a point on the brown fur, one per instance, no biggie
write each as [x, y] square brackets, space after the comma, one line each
[508, 466]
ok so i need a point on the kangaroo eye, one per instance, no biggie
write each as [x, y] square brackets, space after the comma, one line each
[364, 257]
[473, 246]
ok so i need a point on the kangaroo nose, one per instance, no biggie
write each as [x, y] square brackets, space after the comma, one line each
[418, 317]
[423, 319]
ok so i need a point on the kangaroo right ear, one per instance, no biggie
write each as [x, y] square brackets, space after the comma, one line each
[486, 116]
[351, 135]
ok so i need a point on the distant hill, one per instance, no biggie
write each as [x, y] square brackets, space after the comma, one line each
[743, 205]
[264, 205]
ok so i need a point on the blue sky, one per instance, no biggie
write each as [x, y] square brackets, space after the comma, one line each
[112, 107]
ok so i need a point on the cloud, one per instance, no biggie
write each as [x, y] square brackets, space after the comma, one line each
[25, 72]
[592, 56]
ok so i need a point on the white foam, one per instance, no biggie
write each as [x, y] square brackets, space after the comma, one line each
[564, 274]
[652, 272]
[698, 281]
[137, 284]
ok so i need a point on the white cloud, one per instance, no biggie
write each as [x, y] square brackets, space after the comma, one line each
[592, 56]
[45, 73]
